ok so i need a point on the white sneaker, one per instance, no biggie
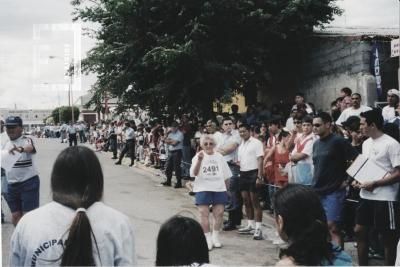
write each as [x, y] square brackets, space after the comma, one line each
[248, 230]
[258, 234]
[215, 239]
[209, 241]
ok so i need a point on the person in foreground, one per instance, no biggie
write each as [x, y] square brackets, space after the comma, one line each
[301, 222]
[181, 242]
[76, 228]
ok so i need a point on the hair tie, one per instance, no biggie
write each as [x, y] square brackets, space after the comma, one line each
[80, 210]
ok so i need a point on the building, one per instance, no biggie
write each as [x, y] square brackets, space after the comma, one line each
[342, 57]
[30, 117]
[331, 59]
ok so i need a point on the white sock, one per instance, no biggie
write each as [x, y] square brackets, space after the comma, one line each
[251, 222]
[215, 233]
[258, 225]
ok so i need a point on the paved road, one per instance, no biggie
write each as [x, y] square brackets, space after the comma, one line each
[134, 191]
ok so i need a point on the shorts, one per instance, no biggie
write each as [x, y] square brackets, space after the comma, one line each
[211, 198]
[383, 215]
[247, 181]
[24, 196]
[333, 204]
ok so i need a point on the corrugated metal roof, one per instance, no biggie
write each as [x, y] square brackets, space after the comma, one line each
[357, 31]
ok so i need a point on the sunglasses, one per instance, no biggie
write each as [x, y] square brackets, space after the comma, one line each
[316, 125]
[208, 144]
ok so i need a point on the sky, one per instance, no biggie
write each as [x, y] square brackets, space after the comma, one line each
[38, 42]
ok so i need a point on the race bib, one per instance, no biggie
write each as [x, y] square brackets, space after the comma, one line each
[210, 170]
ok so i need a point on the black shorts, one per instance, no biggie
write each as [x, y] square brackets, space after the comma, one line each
[247, 181]
[383, 215]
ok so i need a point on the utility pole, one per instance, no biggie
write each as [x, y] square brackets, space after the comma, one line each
[70, 96]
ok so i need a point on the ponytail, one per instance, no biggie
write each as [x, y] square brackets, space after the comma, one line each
[78, 248]
[77, 182]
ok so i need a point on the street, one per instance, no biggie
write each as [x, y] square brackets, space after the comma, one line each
[135, 192]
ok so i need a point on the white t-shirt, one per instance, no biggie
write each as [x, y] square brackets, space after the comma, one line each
[348, 112]
[25, 167]
[3, 139]
[227, 140]
[290, 124]
[248, 154]
[388, 114]
[40, 233]
[213, 172]
[218, 138]
[397, 263]
[385, 151]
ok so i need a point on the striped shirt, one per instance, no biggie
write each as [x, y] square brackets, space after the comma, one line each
[24, 168]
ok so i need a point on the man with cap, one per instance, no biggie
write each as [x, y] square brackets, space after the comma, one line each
[391, 112]
[23, 179]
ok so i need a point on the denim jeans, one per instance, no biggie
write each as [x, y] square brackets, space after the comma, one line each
[186, 161]
[234, 188]
[174, 163]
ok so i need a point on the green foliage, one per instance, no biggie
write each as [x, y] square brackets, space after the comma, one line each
[64, 114]
[181, 55]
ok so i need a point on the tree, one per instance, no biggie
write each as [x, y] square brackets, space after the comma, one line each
[64, 114]
[178, 56]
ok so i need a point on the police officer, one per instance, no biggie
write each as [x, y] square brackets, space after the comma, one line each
[23, 179]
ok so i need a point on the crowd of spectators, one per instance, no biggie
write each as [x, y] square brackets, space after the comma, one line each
[300, 146]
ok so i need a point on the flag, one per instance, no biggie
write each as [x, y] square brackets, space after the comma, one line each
[376, 69]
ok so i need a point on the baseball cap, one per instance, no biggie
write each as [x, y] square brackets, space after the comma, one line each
[13, 121]
[394, 92]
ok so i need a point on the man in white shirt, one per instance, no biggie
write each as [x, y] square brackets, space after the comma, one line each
[71, 130]
[250, 155]
[129, 145]
[211, 128]
[355, 109]
[391, 112]
[228, 146]
[23, 179]
[379, 206]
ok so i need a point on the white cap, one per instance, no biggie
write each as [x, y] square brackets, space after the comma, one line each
[394, 92]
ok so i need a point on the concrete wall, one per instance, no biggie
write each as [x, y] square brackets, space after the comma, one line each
[331, 63]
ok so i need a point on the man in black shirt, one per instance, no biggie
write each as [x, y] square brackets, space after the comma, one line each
[331, 155]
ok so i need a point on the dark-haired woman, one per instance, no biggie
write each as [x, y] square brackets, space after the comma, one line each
[76, 228]
[181, 242]
[301, 222]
